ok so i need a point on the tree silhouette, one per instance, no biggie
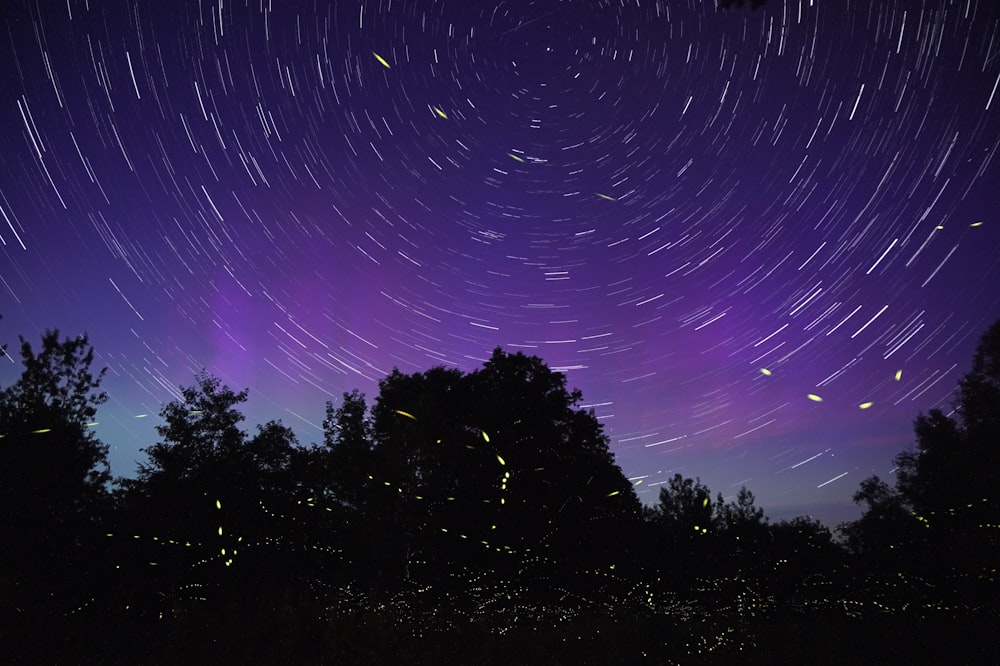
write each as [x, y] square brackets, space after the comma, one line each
[466, 517]
[477, 467]
[53, 471]
[943, 477]
[883, 526]
[684, 530]
[949, 480]
[804, 556]
[335, 479]
[946, 503]
[189, 469]
[741, 517]
[743, 535]
[209, 497]
[685, 508]
[565, 494]
[196, 431]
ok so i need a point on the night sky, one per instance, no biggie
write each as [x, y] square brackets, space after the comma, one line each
[759, 241]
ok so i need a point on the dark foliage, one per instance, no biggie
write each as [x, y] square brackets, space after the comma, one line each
[53, 473]
[466, 518]
[941, 521]
[501, 459]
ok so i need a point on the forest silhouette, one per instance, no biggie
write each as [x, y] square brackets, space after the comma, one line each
[467, 518]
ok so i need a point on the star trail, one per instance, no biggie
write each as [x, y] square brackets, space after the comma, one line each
[760, 241]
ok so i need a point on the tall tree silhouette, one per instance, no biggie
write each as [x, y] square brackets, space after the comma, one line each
[950, 479]
[950, 473]
[946, 502]
[743, 533]
[685, 508]
[565, 494]
[347, 441]
[336, 476]
[804, 556]
[212, 503]
[684, 530]
[497, 461]
[53, 471]
[885, 526]
[741, 516]
[185, 470]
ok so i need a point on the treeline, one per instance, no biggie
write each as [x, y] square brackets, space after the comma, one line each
[466, 518]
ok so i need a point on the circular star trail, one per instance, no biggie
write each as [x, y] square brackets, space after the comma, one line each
[759, 241]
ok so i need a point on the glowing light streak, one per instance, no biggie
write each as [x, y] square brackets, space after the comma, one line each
[799, 464]
[860, 92]
[879, 260]
[758, 344]
[877, 315]
[665, 441]
[839, 476]
[931, 277]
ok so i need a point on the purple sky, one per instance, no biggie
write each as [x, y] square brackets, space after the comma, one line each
[658, 198]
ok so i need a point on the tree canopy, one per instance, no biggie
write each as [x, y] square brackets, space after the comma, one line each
[945, 503]
[500, 455]
[53, 476]
[482, 511]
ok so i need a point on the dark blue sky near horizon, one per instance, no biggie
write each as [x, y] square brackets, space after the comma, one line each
[702, 217]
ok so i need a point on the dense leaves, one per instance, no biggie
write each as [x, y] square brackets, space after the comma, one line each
[53, 472]
[464, 517]
[501, 458]
[943, 514]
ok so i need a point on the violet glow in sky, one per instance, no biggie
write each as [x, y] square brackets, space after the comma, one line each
[658, 198]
